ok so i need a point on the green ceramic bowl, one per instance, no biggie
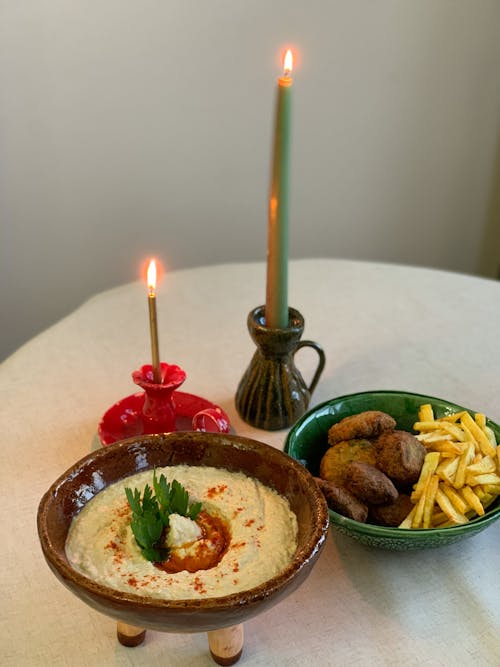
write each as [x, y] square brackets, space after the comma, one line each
[307, 442]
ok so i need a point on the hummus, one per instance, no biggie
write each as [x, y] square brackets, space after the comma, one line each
[261, 536]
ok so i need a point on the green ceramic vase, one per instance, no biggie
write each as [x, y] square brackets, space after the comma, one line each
[272, 393]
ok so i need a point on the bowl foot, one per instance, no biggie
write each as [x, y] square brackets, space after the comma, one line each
[129, 635]
[226, 644]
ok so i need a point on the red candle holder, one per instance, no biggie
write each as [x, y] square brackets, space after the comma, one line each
[160, 408]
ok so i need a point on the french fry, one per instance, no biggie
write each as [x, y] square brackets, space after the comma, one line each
[448, 447]
[438, 516]
[452, 429]
[444, 503]
[485, 465]
[472, 499]
[458, 503]
[480, 420]
[406, 523]
[429, 466]
[430, 499]
[429, 437]
[426, 413]
[490, 478]
[424, 426]
[470, 438]
[453, 417]
[416, 522]
[429, 440]
[447, 470]
[465, 458]
[460, 476]
[479, 434]
[494, 489]
[490, 435]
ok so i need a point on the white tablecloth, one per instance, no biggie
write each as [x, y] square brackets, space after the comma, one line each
[382, 327]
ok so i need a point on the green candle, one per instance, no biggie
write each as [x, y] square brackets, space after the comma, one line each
[277, 246]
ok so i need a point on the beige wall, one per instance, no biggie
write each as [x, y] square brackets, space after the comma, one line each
[490, 251]
[136, 127]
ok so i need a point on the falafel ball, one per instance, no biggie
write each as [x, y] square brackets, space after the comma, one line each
[368, 424]
[391, 514]
[337, 458]
[401, 456]
[340, 500]
[369, 484]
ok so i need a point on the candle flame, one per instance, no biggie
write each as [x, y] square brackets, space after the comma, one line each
[288, 63]
[152, 277]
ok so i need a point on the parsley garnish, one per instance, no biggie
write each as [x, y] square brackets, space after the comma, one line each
[150, 517]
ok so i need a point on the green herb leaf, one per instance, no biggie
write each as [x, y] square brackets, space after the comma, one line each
[134, 500]
[149, 503]
[154, 555]
[147, 529]
[162, 491]
[151, 516]
[194, 510]
[178, 499]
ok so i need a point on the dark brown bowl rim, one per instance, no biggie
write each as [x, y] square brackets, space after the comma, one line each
[235, 600]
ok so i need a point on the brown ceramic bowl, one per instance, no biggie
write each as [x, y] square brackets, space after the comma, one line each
[87, 477]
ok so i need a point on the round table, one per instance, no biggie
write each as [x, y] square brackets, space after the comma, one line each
[382, 327]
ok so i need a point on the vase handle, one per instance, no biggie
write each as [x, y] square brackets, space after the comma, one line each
[321, 361]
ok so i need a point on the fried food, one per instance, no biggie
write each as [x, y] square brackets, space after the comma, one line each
[462, 460]
[369, 484]
[393, 513]
[451, 469]
[340, 500]
[369, 424]
[401, 456]
[338, 457]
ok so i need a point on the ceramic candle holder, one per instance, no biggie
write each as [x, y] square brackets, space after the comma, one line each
[272, 393]
[159, 408]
